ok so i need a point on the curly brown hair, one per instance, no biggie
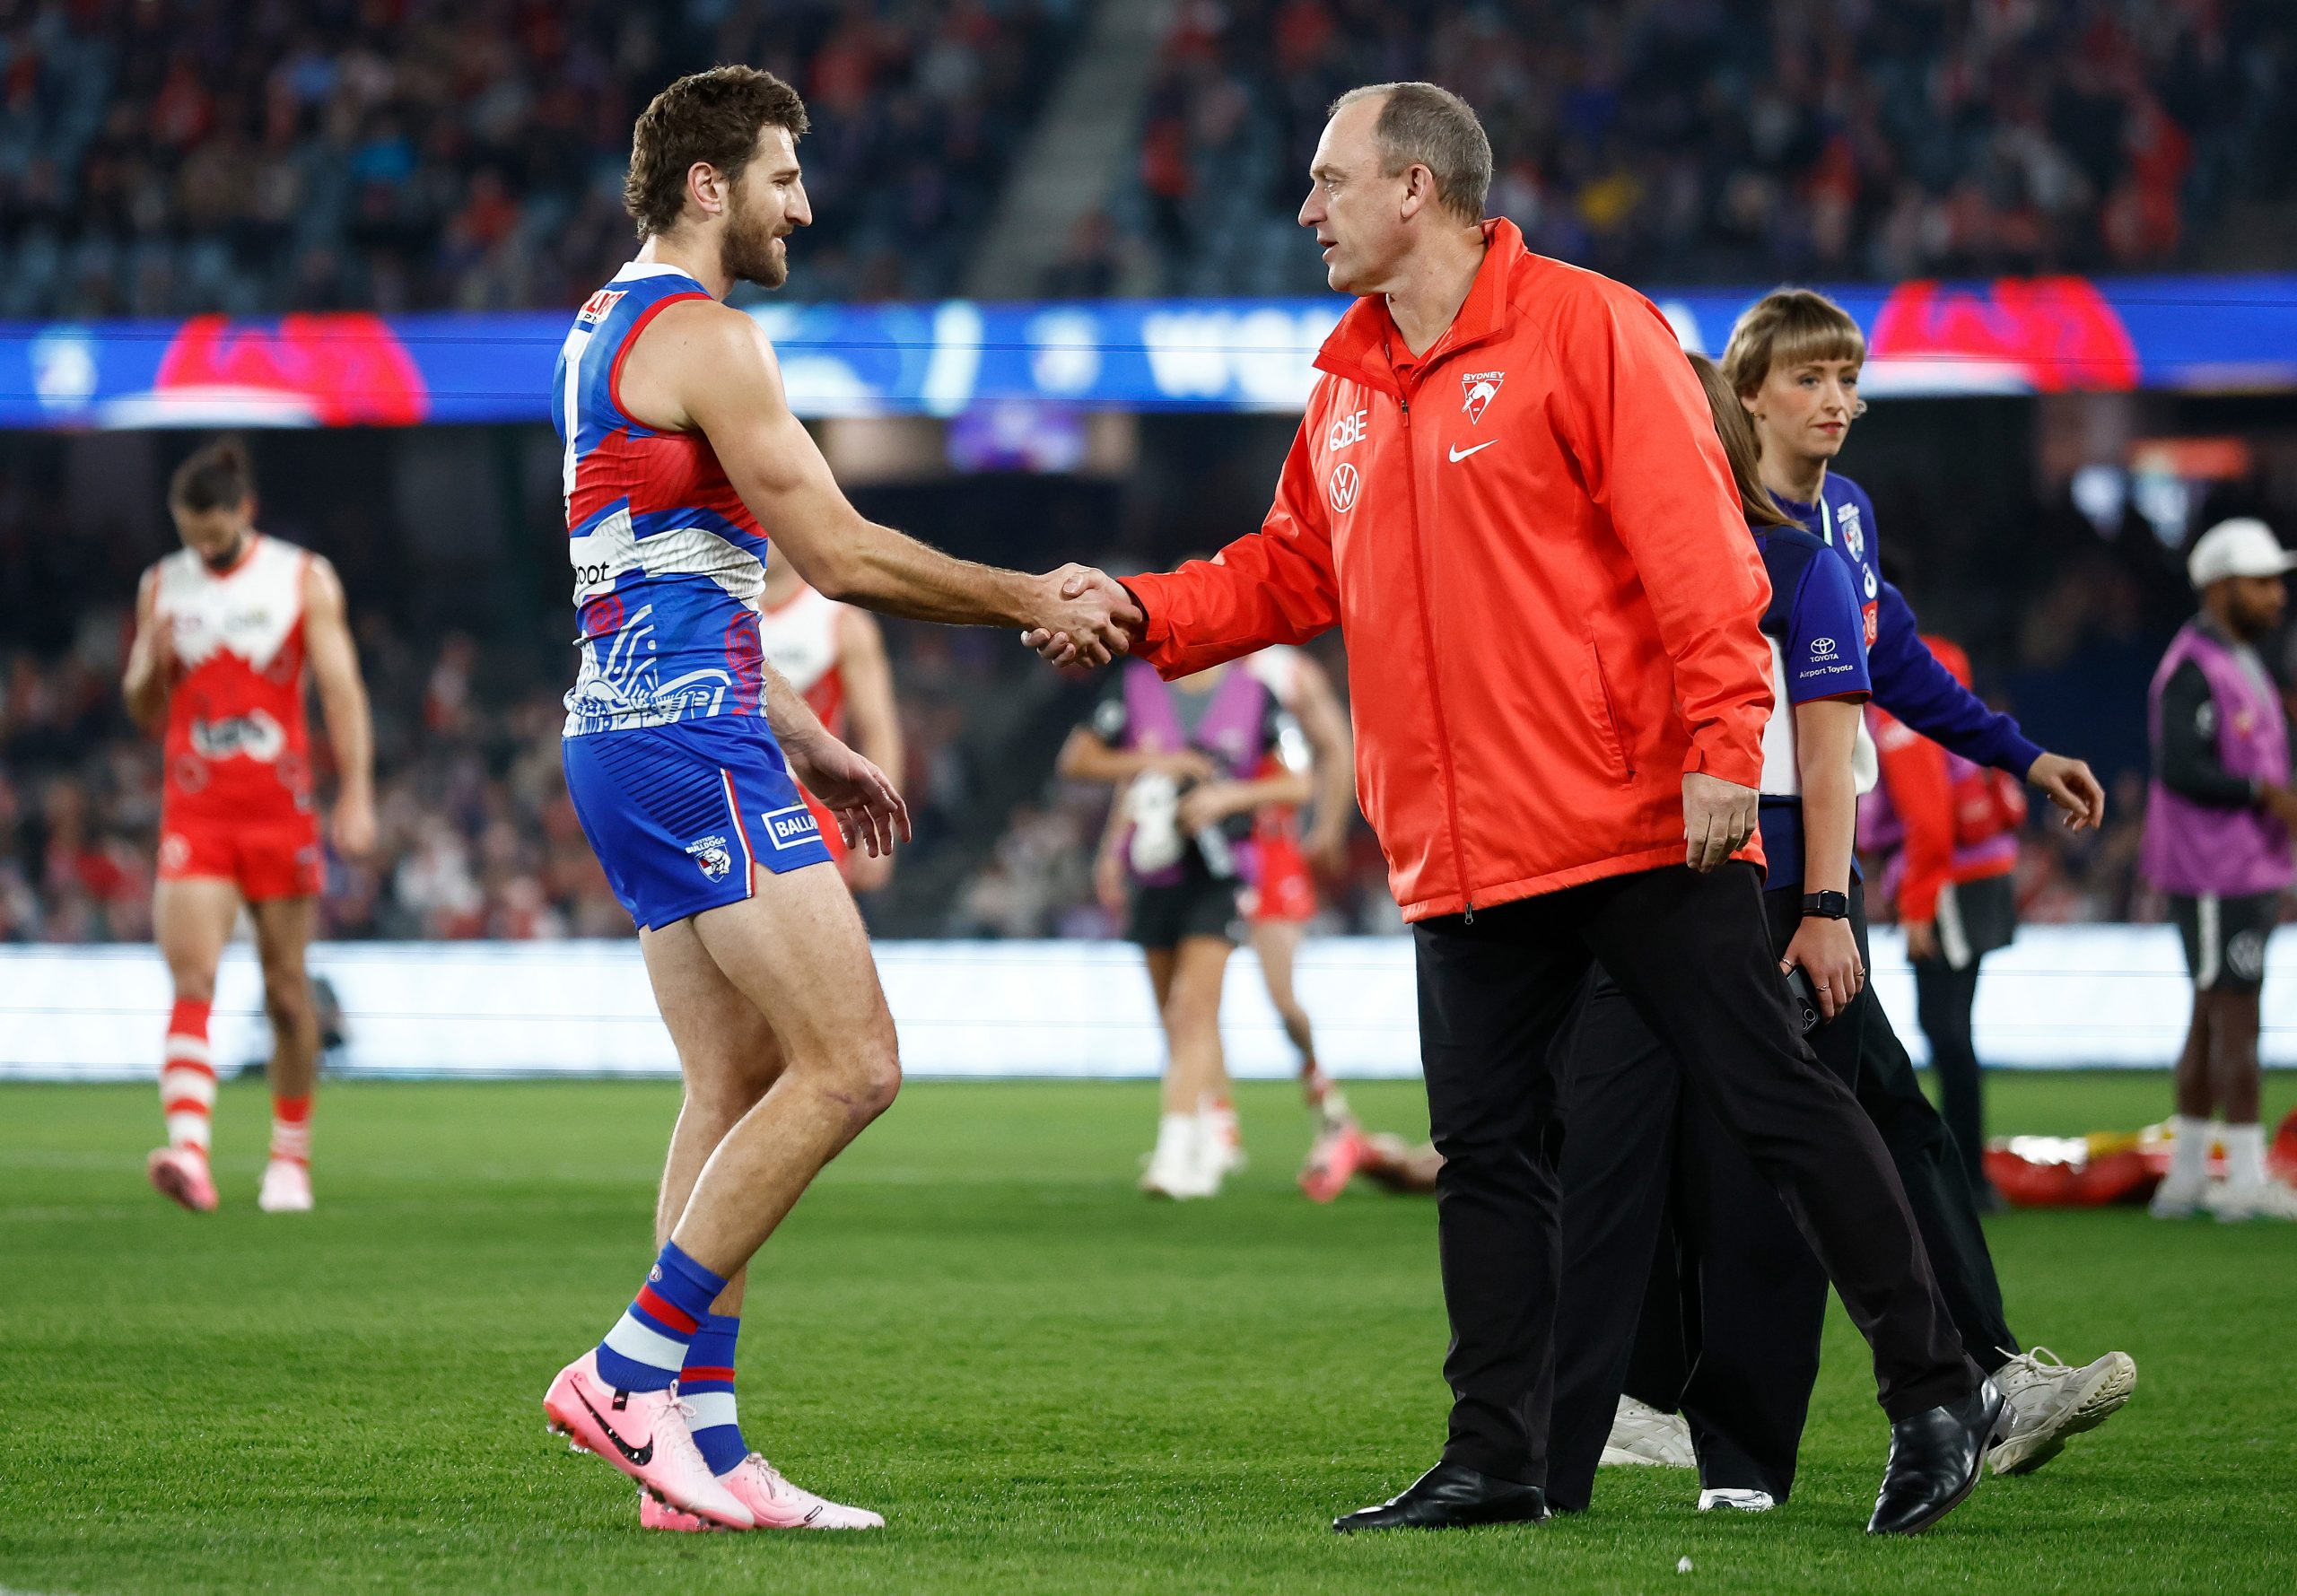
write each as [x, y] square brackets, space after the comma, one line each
[712, 117]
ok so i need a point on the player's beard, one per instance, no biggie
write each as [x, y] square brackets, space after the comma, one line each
[746, 248]
[224, 561]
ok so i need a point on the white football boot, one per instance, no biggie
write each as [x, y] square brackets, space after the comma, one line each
[2235, 1203]
[1181, 1165]
[2049, 1401]
[286, 1188]
[1736, 1499]
[1641, 1434]
[2179, 1198]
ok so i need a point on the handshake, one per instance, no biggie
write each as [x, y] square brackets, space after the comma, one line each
[1080, 616]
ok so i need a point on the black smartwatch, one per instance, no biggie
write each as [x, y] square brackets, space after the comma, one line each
[1826, 906]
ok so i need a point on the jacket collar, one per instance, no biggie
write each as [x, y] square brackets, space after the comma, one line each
[1359, 347]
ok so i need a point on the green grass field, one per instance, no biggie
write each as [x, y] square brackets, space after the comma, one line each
[973, 1324]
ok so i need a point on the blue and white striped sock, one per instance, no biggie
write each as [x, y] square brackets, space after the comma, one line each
[647, 1347]
[706, 1384]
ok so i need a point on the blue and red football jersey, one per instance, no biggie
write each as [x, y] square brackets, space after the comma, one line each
[668, 564]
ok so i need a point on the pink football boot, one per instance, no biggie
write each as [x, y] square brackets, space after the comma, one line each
[643, 1433]
[180, 1175]
[1332, 1163]
[773, 1501]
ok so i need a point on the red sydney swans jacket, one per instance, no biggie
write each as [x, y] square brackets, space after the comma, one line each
[1530, 539]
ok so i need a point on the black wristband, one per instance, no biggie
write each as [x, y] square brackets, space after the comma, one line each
[1826, 906]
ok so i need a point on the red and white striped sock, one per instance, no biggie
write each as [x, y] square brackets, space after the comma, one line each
[290, 1128]
[187, 1077]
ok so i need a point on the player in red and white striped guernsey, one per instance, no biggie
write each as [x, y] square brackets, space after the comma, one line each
[227, 629]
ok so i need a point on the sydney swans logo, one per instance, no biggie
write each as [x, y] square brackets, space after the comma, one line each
[1481, 387]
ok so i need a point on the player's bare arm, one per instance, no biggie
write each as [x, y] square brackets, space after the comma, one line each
[343, 705]
[703, 366]
[1086, 757]
[151, 659]
[1208, 803]
[870, 809]
[1325, 726]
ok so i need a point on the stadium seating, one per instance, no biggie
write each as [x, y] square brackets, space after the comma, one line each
[1682, 141]
[163, 156]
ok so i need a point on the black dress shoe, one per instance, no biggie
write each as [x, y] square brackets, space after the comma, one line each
[1936, 1457]
[1449, 1497]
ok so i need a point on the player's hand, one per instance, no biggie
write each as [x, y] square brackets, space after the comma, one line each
[1327, 846]
[1718, 817]
[1827, 954]
[2073, 788]
[1185, 764]
[2280, 802]
[870, 814]
[1921, 939]
[1108, 881]
[1084, 616]
[1208, 803]
[354, 825]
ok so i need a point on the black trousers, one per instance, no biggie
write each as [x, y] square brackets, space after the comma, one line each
[1707, 1301]
[1944, 997]
[1932, 1169]
[1691, 956]
[1689, 1296]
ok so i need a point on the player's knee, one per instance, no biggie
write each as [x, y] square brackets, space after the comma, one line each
[876, 1077]
[287, 998]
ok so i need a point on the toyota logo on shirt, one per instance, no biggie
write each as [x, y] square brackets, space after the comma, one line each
[1344, 485]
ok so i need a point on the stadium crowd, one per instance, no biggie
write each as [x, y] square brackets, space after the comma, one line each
[1679, 141]
[479, 840]
[163, 157]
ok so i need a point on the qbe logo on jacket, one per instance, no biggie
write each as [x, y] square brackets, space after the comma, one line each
[1345, 484]
[786, 828]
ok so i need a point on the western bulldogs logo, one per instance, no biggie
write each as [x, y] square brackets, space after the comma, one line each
[1851, 524]
[711, 856]
[1481, 389]
[790, 827]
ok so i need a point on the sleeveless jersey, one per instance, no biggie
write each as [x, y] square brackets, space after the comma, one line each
[237, 747]
[667, 562]
[800, 641]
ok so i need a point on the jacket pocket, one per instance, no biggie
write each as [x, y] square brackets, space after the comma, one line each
[1595, 696]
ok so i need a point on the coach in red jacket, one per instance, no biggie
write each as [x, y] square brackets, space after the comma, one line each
[1509, 494]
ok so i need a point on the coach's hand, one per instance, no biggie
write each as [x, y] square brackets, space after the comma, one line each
[1718, 817]
[870, 814]
[2072, 787]
[1085, 617]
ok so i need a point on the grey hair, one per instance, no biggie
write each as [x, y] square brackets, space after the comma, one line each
[1424, 125]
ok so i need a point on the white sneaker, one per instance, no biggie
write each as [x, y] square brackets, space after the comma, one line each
[1181, 1167]
[2176, 1199]
[2257, 1200]
[2050, 1400]
[286, 1188]
[1736, 1499]
[1641, 1434]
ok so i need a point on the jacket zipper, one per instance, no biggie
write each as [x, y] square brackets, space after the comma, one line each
[1428, 641]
